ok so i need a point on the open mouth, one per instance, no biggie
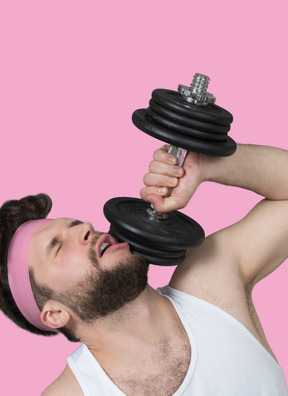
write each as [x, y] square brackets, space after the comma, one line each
[104, 243]
[104, 246]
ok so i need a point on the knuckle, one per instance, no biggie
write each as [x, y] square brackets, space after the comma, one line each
[162, 181]
[156, 152]
[145, 177]
[161, 155]
[151, 166]
[142, 193]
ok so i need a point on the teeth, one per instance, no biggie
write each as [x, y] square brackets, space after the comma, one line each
[103, 247]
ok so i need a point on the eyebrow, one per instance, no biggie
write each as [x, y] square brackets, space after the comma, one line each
[75, 223]
[55, 240]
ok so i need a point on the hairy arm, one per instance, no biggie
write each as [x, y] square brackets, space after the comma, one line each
[261, 169]
[257, 244]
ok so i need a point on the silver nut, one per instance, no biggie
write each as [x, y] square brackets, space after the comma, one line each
[184, 91]
[210, 98]
[197, 98]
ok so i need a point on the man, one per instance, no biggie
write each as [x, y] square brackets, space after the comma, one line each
[198, 336]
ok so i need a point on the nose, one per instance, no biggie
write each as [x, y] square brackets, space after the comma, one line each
[85, 233]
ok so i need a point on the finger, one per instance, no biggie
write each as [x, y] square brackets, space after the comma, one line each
[156, 196]
[157, 201]
[162, 155]
[165, 204]
[149, 191]
[165, 169]
[165, 147]
[153, 179]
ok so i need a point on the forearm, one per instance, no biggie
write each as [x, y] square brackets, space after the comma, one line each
[261, 169]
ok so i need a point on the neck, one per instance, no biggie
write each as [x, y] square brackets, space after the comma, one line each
[142, 322]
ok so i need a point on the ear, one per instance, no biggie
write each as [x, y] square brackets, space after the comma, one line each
[54, 315]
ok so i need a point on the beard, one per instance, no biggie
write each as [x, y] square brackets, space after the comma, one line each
[105, 291]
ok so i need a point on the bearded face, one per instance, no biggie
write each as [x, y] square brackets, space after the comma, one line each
[104, 291]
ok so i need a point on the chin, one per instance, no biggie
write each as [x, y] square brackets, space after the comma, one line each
[111, 260]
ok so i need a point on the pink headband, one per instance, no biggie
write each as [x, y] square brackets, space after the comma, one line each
[18, 273]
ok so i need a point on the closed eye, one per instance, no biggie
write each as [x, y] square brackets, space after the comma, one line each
[56, 240]
[59, 248]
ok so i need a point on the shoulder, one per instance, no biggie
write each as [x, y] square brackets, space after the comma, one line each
[244, 252]
[65, 385]
[211, 272]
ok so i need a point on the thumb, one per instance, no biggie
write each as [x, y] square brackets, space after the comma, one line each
[166, 205]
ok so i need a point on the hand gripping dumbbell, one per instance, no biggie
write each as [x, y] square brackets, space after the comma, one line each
[187, 119]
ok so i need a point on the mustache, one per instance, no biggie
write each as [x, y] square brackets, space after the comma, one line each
[92, 253]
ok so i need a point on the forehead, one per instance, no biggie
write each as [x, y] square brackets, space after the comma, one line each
[43, 236]
[50, 227]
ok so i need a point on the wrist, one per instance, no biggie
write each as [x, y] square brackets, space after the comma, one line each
[208, 167]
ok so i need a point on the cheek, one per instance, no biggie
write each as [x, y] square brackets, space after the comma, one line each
[74, 265]
[66, 271]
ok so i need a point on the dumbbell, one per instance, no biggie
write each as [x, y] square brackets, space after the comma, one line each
[187, 119]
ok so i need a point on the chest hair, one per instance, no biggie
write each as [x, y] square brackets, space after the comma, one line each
[160, 372]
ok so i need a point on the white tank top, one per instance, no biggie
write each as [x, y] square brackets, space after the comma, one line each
[226, 360]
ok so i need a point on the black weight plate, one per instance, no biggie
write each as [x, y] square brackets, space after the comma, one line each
[211, 113]
[181, 119]
[184, 129]
[142, 250]
[177, 232]
[153, 256]
[165, 262]
[145, 124]
[156, 257]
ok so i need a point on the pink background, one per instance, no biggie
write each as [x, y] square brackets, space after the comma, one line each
[71, 75]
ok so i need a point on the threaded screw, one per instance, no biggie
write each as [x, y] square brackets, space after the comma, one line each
[197, 92]
[200, 84]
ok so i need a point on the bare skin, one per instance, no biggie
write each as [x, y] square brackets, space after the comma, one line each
[219, 271]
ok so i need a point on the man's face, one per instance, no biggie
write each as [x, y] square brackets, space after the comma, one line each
[87, 270]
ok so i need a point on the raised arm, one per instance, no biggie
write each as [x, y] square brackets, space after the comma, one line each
[257, 244]
[261, 169]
